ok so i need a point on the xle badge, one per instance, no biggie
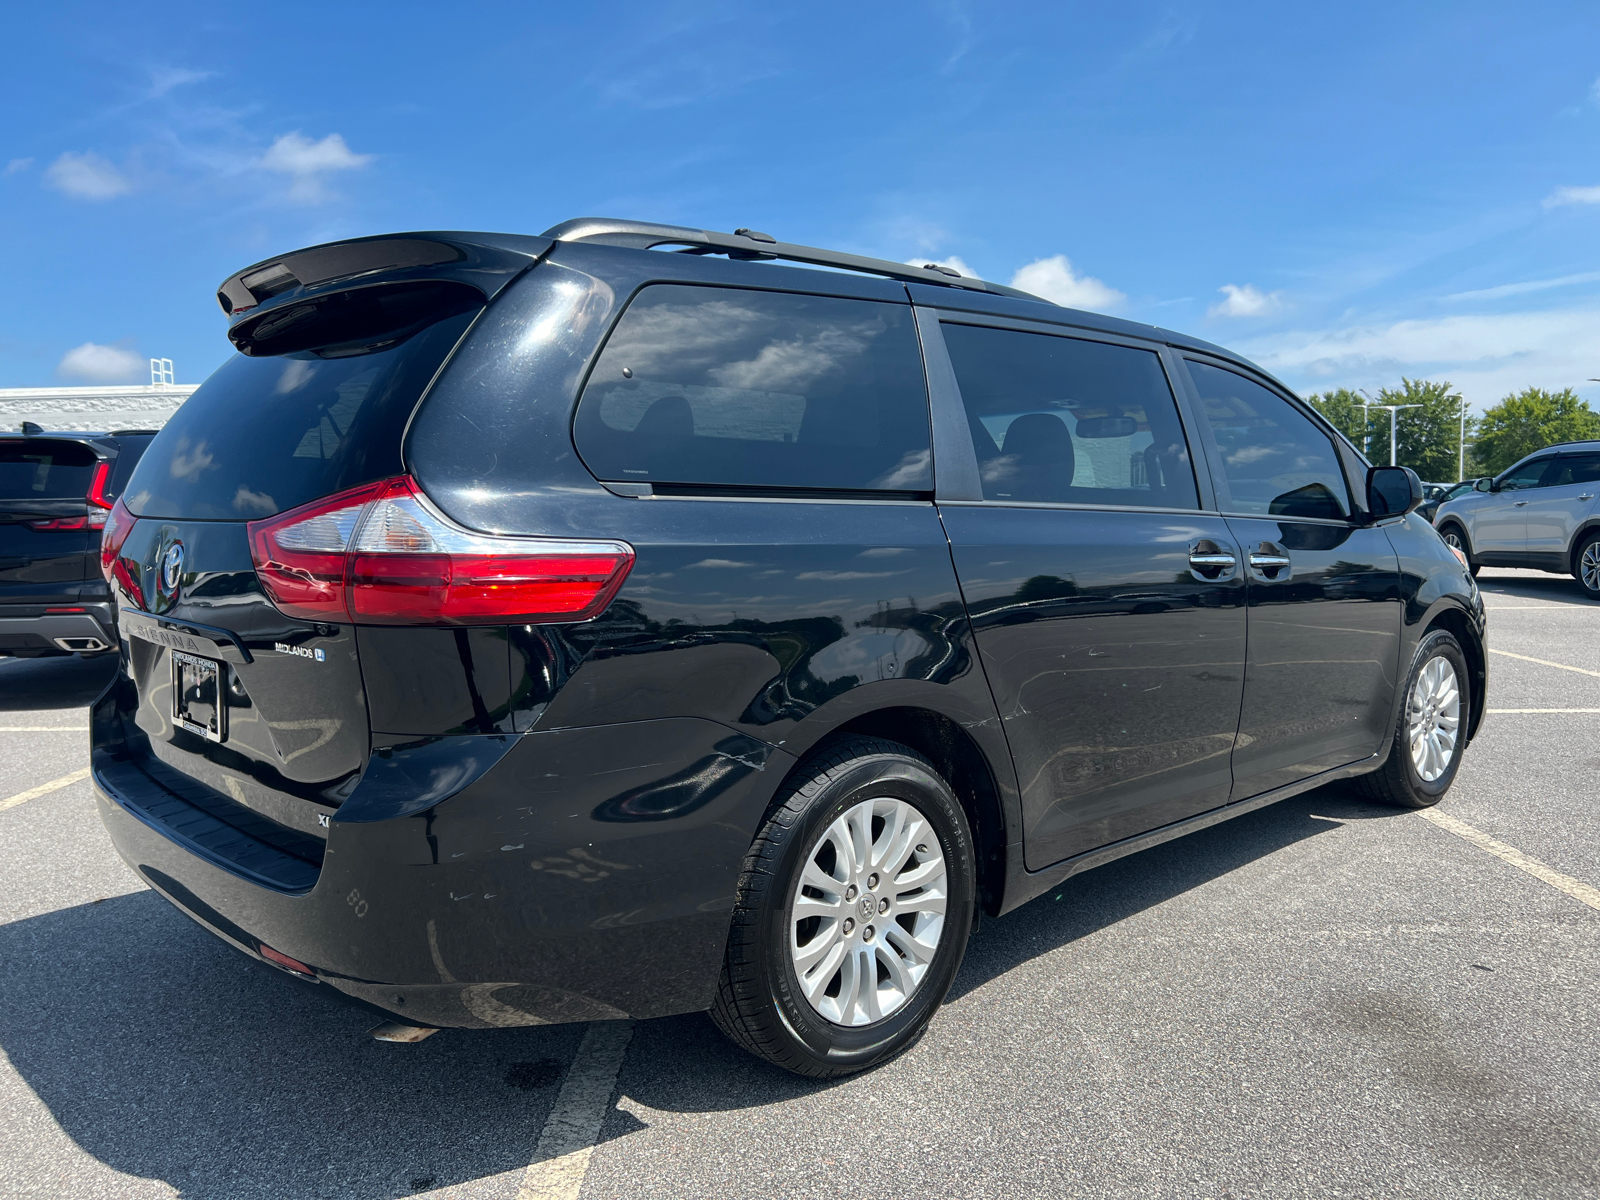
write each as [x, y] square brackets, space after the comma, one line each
[298, 651]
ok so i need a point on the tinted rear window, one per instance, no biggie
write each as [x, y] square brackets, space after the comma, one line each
[265, 434]
[40, 469]
[720, 386]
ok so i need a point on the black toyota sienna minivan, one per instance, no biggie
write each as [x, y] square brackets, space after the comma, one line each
[639, 620]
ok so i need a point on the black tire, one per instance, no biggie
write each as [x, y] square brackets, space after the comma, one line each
[1586, 564]
[1455, 537]
[760, 1004]
[1398, 782]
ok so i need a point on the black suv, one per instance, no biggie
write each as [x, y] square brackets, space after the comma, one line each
[55, 492]
[622, 622]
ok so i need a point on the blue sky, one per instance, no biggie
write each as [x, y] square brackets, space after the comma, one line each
[1346, 193]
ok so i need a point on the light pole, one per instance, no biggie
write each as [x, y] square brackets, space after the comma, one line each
[1366, 424]
[1393, 411]
[1461, 471]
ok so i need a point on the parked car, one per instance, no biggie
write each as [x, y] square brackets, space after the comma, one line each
[1540, 513]
[538, 629]
[55, 492]
[1435, 494]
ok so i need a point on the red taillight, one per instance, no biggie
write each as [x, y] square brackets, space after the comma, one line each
[380, 554]
[65, 523]
[119, 524]
[98, 504]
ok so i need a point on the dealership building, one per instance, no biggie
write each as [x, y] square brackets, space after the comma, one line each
[98, 409]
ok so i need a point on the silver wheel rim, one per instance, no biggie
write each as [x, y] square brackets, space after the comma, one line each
[1435, 718]
[1589, 566]
[1453, 540]
[868, 912]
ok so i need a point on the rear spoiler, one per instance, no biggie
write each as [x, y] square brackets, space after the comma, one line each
[486, 262]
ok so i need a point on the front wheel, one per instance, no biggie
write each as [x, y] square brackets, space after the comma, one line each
[1586, 565]
[852, 913]
[1430, 732]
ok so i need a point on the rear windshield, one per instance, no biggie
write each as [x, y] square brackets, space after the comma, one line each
[265, 434]
[40, 469]
[726, 387]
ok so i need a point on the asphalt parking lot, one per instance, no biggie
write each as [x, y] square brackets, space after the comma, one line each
[1323, 998]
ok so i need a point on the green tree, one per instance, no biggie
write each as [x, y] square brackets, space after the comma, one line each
[1429, 436]
[1531, 420]
[1343, 410]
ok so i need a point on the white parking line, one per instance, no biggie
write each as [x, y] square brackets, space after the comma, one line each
[1572, 887]
[1542, 710]
[44, 789]
[1543, 662]
[44, 729]
[562, 1157]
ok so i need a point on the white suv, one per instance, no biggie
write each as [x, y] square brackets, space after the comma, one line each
[1541, 513]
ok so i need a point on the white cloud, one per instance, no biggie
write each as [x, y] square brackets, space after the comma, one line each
[1485, 356]
[1572, 195]
[1054, 279]
[18, 165]
[1245, 301]
[94, 363]
[164, 79]
[86, 176]
[306, 161]
[1520, 289]
[951, 261]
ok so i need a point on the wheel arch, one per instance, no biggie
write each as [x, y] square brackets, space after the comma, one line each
[964, 765]
[1589, 527]
[1461, 626]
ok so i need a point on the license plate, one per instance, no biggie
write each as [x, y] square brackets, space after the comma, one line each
[197, 695]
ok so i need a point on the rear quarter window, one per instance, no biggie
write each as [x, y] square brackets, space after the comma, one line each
[726, 387]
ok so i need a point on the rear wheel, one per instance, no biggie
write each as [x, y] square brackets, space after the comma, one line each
[1430, 731]
[1586, 565]
[1456, 540]
[852, 914]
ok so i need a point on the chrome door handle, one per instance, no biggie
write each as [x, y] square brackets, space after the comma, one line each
[1270, 561]
[1211, 562]
[1590, 496]
[1518, 503]
[1265, 562]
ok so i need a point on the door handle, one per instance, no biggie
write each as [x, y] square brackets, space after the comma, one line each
[1589, 496]
[1209, 561]
[1518, 503]
[1268, 559]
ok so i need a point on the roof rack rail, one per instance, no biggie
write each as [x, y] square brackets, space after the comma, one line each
[752, 245]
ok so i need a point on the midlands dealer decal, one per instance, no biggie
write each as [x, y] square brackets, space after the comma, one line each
[298, 651]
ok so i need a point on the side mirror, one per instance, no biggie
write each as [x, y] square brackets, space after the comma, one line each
[1392, 491]
[1107, 427]
[1483, 485]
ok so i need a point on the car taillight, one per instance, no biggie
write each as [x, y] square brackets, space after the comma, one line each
[119, 524]
[99, 506]
[65, 523]
[381, 554]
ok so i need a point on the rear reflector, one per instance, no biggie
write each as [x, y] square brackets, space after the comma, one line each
[381, 554]
[283, 960]
[98, 504]
[69, 522]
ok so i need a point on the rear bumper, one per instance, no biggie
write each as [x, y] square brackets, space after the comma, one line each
[561, 885]
[93, 629]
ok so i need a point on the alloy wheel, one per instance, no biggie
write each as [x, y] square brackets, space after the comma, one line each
[1589, 567]
[1435, 718]
[868, 912]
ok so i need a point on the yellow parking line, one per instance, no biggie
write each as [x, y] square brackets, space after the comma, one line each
[44, 789]
[1566, 883]
[1546, 662]
[561, 1159]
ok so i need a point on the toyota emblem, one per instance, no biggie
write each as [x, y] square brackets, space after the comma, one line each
[172, 568]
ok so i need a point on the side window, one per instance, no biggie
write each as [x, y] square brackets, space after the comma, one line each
[1573, 468]
[1068, 421]
[1524, 476]
[1275, 461]
[719, 386]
